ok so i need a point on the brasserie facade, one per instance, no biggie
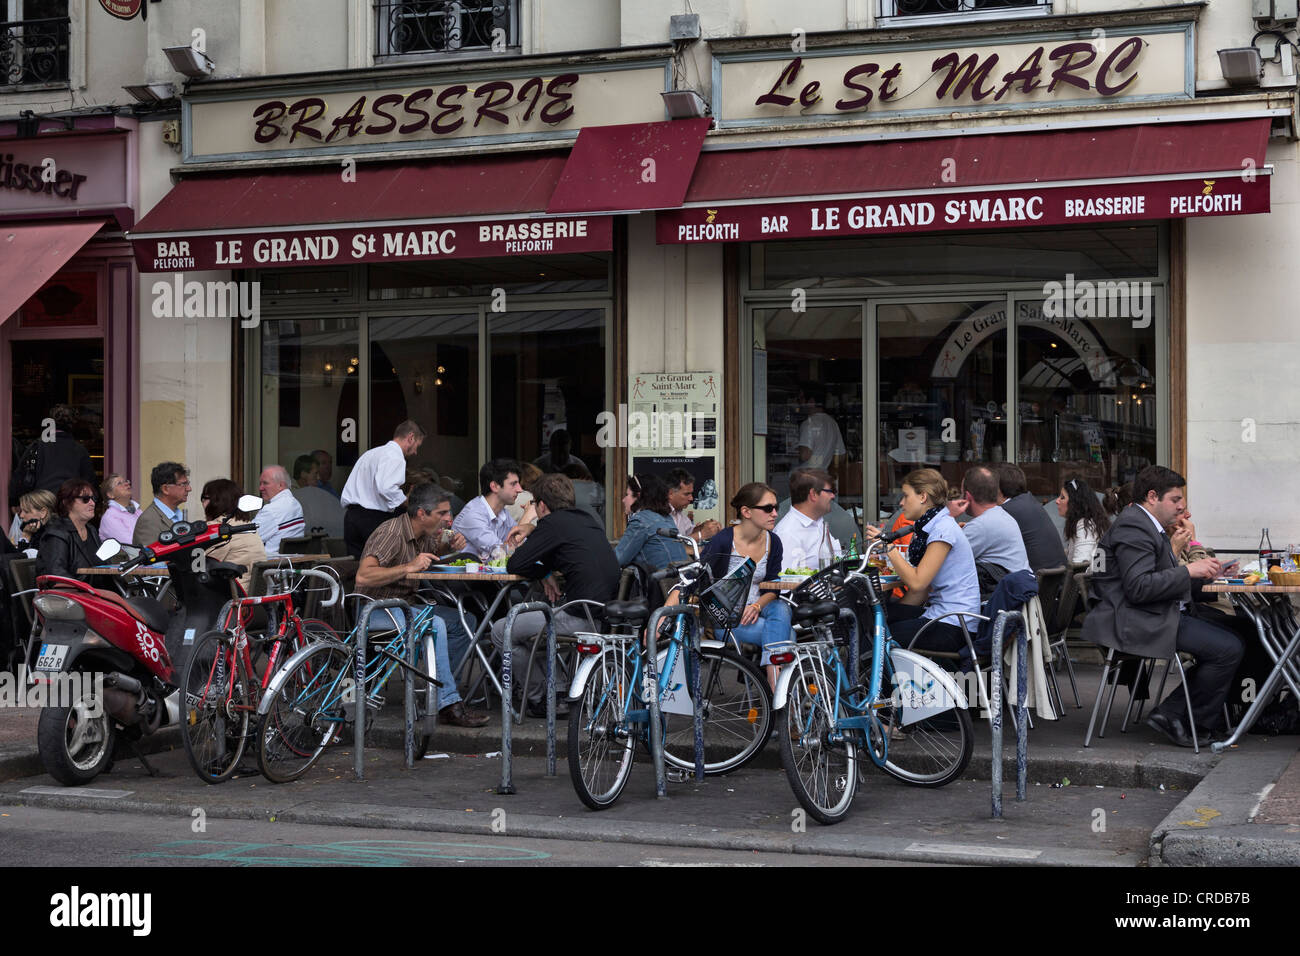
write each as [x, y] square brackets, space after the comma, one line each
[1051, 238]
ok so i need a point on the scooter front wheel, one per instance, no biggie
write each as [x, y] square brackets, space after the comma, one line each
[76, 743]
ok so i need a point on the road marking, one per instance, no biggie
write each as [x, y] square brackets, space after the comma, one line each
[961, 849]
[656, 861]
[344, 853]
[79, 792]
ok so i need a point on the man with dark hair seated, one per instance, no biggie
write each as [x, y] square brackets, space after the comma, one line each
[1142, 597]
[568, 540]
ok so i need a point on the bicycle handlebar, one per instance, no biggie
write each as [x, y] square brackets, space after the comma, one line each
[303, 573]
[686, 539]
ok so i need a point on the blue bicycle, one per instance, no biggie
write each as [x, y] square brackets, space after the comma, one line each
[311, 701]
[920, 732]
[609, 714]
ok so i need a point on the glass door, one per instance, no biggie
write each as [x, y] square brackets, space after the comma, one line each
[807, 387]
[940, 390]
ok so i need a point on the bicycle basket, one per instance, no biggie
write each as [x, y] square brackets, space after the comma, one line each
[724, 601]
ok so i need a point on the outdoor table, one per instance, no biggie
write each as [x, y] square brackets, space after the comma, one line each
[1269, 607]
[479, 633]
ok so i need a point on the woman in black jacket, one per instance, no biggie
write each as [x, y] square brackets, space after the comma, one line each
[70, 541]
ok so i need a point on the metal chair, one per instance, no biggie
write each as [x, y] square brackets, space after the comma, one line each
[1113, 659]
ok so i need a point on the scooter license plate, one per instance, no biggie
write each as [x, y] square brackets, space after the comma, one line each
[51, 657]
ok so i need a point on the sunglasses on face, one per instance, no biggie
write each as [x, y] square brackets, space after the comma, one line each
[84, 499]
[768, 508]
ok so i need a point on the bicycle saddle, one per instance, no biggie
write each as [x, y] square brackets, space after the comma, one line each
[626, 612]
[823, 612]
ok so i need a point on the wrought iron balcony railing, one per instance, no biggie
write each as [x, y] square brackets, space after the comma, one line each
[444, 26]
[33, 51]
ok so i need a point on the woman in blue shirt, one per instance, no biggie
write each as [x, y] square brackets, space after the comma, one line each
[937, 568]
[641, 541]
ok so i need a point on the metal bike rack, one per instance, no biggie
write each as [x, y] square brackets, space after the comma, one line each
[507, 685]
[651, 681]
[360, 696]
[1022, 708]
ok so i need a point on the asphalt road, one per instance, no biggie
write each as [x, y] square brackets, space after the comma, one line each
[59, 838]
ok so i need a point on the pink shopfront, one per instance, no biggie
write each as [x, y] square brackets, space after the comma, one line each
[67, 285]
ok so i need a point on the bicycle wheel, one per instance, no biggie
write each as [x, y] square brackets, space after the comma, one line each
[426, 696]
[600, 743]
[737, 712]
[215, 708]
[930, 752]
[306, 714]
[823, 775]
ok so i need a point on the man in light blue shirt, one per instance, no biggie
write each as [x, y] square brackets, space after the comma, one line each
[171, 488]
[993, 534]
[485, 522]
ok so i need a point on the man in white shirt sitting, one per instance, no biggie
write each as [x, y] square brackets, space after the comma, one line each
[805, 537]
[373, 493]
[485, 522]
[281, 516]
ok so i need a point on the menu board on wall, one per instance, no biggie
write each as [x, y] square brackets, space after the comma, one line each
[672, 422]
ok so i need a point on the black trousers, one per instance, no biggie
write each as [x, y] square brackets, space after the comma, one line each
[1218, 652]
[905, 620]
[359, 524]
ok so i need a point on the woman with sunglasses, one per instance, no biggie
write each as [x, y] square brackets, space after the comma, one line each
[70, 541]
[765, 621]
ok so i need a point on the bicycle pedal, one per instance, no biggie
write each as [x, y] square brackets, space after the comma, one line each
[677, 775]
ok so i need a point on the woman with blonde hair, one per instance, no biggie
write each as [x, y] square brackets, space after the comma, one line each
[937, 568]
[120, 511]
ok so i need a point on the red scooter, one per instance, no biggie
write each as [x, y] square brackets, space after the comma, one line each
[112, 663]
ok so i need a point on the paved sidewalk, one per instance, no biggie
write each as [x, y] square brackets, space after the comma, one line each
[1161, 805]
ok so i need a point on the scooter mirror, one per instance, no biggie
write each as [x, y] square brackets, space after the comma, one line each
[108, 549]
[250, 503]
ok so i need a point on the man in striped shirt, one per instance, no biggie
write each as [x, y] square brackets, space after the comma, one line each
[281, 516]
[407, 544]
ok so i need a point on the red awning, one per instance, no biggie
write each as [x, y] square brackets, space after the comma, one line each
[32, 252]
[449, 208]
[1122, 173]
[631, 167]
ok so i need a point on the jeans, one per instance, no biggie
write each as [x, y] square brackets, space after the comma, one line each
[772, 627]
[527, 626]
[905, 620]
[386, 619]
[458, 639]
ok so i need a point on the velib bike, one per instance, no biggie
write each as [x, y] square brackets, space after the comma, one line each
[609, 714]
[902, 709]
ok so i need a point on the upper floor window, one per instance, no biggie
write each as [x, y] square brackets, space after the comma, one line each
[405, 27]
[33, 42]
[939, 8]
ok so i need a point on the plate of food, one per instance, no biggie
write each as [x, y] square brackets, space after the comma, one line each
[796, 574]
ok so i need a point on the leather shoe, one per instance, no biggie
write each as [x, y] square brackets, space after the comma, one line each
[1171, 727]
[456, 715]
[537, 708]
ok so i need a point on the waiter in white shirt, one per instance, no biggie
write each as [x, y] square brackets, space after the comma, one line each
[820, 443]
[373, 492]
[281, 516]
[805, 537]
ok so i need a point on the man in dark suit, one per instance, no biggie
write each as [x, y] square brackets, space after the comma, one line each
[171, 488]
[1043, 544]
[1142, 599]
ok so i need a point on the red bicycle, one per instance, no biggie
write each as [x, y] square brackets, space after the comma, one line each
[221, 688]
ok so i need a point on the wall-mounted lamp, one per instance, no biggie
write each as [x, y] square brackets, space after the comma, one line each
[684, 104]
[1241, 66]
[152, 92]
[188, 61]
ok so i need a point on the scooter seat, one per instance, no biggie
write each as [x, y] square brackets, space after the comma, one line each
[146, 610]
